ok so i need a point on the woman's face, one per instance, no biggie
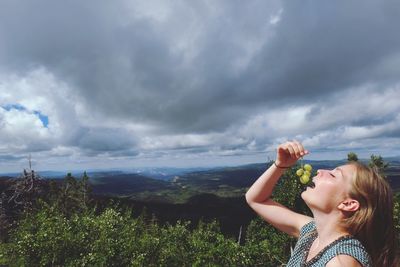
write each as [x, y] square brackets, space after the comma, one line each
[331, 188]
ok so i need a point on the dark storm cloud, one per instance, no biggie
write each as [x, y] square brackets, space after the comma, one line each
[129, 68]
[100, 140]
[322, 47]
[239, 69]
[6, 158]
[125, 66]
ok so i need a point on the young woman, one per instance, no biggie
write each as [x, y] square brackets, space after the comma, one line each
[352, 207]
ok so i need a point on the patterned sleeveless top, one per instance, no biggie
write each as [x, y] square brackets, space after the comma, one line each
[347, 245]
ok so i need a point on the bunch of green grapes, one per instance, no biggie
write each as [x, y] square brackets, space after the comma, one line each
[304, 173]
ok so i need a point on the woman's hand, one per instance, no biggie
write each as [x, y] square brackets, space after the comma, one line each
[259, 194]
[288, 153]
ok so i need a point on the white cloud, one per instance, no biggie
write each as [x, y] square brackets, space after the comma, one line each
[156, 10]
[175, 141]
[40, 91]
[62, 151]
[146, 80]
[18, 122]
[22, 131]
[360, 132]
[275, 18]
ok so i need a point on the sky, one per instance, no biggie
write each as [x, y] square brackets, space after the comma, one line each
[125, 84]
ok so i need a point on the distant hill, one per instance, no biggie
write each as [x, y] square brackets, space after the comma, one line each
[236, 177]
[193, 195]
[126, 184]
[177, 185]
[5, 182]
[223, 182]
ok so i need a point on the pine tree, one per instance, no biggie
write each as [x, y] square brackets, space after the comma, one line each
[85, 190]
[4, 222]
[378, 163]
[352, 157]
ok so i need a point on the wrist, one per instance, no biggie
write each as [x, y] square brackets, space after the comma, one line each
[279, 166]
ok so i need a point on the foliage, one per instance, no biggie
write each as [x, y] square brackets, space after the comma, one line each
[64, 229]
[114, 238]
[266, 246]
[376, 161]
[288, 191]
[396, 216]
[73, 194]
[352, 156]
[27, 188]
[4, 220]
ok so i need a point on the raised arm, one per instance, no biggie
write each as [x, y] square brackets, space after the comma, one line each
[258, 196]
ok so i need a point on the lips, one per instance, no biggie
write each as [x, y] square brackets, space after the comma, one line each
[310, 184]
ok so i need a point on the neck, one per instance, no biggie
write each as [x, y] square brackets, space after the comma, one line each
[328, 228]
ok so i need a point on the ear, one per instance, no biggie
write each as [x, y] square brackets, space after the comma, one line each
[349, 205]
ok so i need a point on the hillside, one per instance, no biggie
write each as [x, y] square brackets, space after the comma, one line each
[190, 196]
[126, 184]
[173, 185]
[223, 182]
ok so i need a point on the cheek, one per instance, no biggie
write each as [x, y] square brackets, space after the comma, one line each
[323, 195]
[329, 188]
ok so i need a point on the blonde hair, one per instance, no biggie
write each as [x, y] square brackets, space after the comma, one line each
[372, 224]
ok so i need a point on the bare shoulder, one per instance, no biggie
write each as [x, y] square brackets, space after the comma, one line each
[343, 260]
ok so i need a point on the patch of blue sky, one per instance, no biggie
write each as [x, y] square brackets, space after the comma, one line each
[43, 118]
[9, 107]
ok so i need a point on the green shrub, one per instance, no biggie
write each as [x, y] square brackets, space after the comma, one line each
[50, 236]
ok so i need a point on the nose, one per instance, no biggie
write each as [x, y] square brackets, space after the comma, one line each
[319, 174]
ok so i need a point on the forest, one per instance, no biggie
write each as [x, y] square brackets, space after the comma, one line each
[50, 222]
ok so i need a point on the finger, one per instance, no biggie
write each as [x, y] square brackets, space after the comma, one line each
[281, 148]
[297, 148]
[302, 150]
[284, 146]
[291, 150]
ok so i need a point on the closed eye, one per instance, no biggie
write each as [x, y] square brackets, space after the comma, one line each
[332, 174]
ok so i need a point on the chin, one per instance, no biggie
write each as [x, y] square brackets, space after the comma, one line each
[305, 196]
[302, 195]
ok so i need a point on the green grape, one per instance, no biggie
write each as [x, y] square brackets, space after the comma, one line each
[304, 172]
[299, 172]
[304, 179]
[307, 167]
